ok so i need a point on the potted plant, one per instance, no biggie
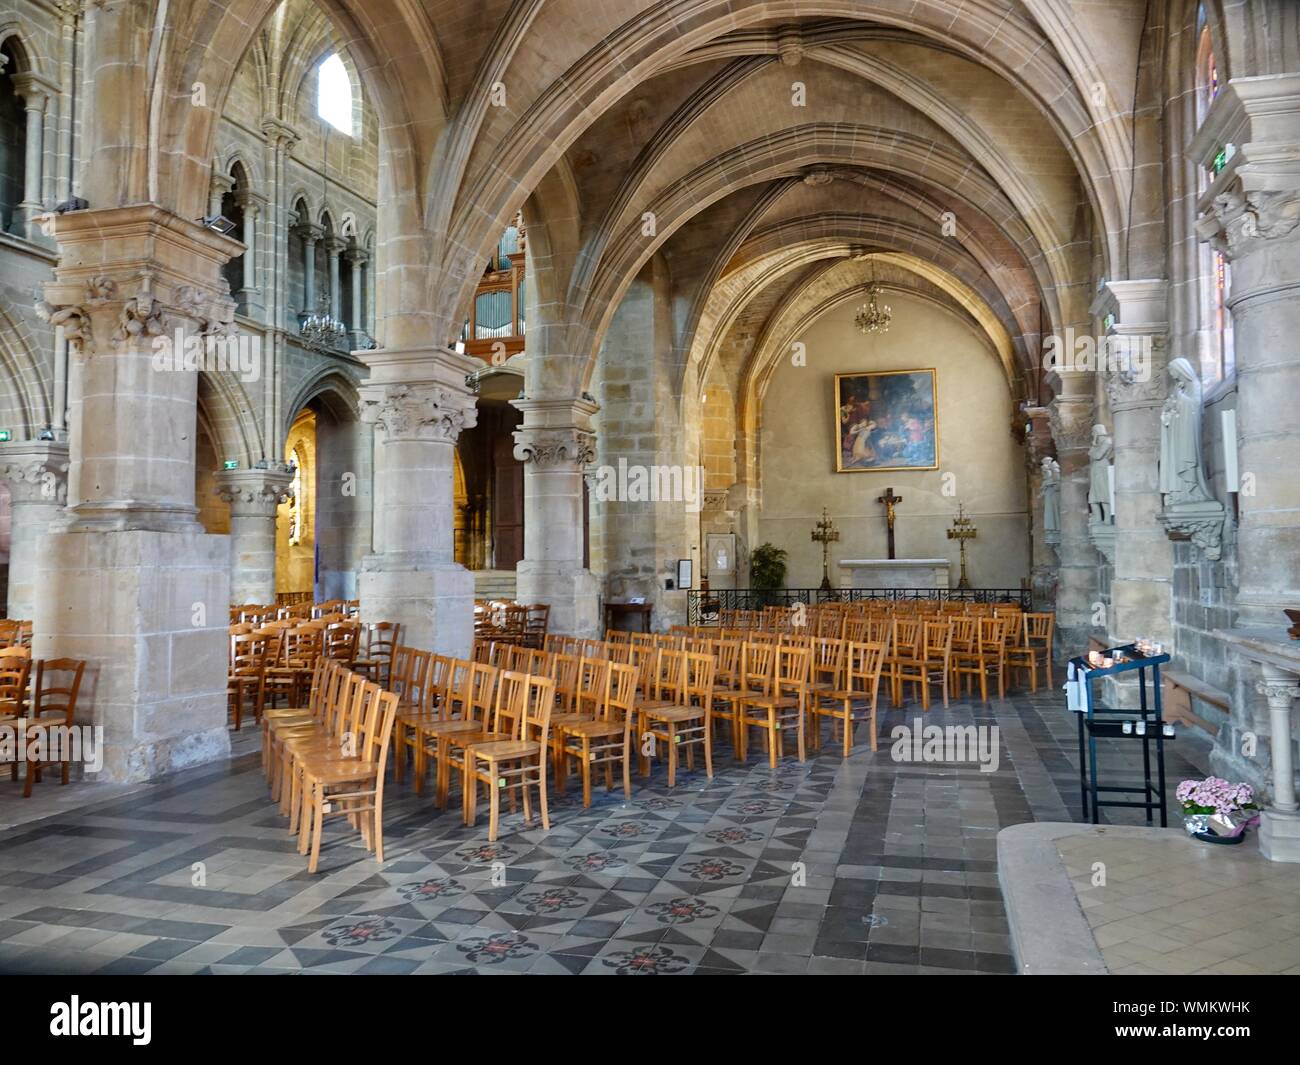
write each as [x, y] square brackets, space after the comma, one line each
[1217, 811]
[767, 571]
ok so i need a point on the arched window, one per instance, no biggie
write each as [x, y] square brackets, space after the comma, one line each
[13, 143]
[334, 93]
[1218, 362]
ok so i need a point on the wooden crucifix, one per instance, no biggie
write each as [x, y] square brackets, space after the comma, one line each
[889, 500]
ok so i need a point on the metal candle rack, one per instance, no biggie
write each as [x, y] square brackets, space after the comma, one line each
[1108, 723]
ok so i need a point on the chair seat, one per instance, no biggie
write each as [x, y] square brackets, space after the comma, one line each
[564, 720]
[658, 704]
[593, 729]
[433, 727]
[501, 750]
[342, 771]
[676, 713]
[777, 701]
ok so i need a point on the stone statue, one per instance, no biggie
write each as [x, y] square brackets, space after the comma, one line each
[1099, 475]
[1051, 494]
[1182, 479]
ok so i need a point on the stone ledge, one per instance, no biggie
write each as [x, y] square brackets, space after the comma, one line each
[1049, 933]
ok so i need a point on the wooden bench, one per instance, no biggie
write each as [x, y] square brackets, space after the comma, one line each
[1180, 688]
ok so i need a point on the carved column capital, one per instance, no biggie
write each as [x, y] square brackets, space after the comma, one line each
[255, 493]
[36, 471]
[1071, 421]
[555, 447]
[418, 412]
[1279, 691]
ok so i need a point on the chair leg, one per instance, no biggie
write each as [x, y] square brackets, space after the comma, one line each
[672, 755]
[627, 775]
[494, 806]
[773, 735]
[586, 771]
[541, 795]
[318, 809]
[708, 746]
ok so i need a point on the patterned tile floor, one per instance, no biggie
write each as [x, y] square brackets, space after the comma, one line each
[868, 865]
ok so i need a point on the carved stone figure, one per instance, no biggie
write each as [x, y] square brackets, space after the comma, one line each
[1099, 454]
[1051, 493]
[1182, 477]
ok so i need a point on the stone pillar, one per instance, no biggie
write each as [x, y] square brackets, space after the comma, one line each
[418, 403]
[1251, 213]
[358, 258]
[310, 234]
[128, 580]
[1076, 597]
[334, 247]
[1035, 425]
[556, 442]
[1279, 828]
[253, 496]
[36, 94]
[36, 472]
[1141, 591]
[249, 297]
[217, 189]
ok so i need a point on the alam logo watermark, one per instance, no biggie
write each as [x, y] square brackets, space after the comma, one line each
[183, 352]
[920, 743]
[1075, 353]
[121, 1019]
[626, 483]
[53, 743]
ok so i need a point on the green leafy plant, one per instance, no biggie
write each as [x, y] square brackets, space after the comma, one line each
[767, 568]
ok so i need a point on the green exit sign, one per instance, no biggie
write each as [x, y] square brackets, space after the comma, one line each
[231, 464]
[5, 434]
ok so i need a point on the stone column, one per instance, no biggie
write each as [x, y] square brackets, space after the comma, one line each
[334, 247]
[217, 189]
[310, 234]
[1076, 597]
[358, 258]
[128, 580]
[1141, 591]
[249, 297]
[36, 472]
[556, 442]
[418, 403]
[253, 496]
[1251, 212]
[1035, 425]
[36, 94]
[1279, 824]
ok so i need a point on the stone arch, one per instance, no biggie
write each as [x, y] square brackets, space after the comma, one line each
[21, 378]
[331, 388]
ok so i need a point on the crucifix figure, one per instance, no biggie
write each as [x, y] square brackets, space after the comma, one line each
[889, 499]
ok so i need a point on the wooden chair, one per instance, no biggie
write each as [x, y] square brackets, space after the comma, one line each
[376, 660]
[1033, 646]
[54, 706]
[606, 738]
[290, 664]
[988, 659]
[863, 663]
[351, 784]
[687, 722]
[827, 664]
[246, 676]
[323, 677]
[537, 620]
[466, 719]
[784, 705]
[516, 759]
[294, 740]
[904, 655]
[934, 664]
[757, 664]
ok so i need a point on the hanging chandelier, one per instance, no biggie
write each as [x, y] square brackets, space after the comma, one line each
[873, 316]
[322, 330]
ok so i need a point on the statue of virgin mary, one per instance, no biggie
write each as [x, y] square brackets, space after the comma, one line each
[1182, 479]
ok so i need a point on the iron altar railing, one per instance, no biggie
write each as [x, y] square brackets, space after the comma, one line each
[702, 608]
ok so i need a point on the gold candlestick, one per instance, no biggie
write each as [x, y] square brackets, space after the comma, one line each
[963, 529]
[825, 533]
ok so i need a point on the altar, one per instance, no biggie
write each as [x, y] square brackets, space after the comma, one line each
[895, 573]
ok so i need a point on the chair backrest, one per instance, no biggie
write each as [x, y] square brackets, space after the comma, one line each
[828, 659]
[906, 637]
[58, 680]
[964, 632]
[697, 682]
[341, 640]
[667, 679]
[618, 636]
[793, 668]
[399, 670]
[539, 704]
[593, 681]
[381, 638]
[247, 654]
[993, 634]
[1038, 628]
[620, 697]
[642, 639]
[862, 665]
[938, 639]
[564, 671]
[728, 655]
[436, 682]
[415, 694]
[758, 666]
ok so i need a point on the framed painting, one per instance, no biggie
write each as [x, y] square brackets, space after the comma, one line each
[886, 420]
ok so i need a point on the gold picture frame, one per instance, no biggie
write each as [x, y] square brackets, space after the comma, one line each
[887, 421]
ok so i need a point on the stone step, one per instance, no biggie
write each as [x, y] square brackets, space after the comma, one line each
[494, 584]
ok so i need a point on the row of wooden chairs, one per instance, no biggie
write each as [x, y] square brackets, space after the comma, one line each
[511, 622]
[328, 758]
[260, 613]
[276, 659]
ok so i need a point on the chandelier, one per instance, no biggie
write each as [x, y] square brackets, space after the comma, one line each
[872, 316]
[322, 330]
